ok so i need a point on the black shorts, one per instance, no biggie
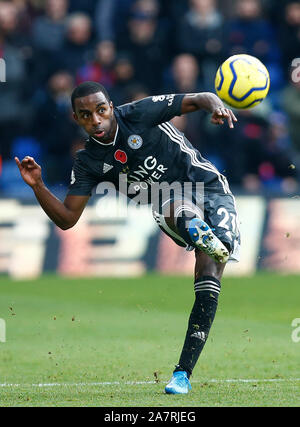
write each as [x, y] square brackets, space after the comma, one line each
[219, 212]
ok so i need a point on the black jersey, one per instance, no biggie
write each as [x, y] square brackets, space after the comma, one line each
[147, 149]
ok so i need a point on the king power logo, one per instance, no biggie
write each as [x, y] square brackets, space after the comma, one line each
[2, 70]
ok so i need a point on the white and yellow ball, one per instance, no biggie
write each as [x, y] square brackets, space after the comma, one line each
[242, 81]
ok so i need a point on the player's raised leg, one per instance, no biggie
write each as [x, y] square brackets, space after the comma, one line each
[186, 220]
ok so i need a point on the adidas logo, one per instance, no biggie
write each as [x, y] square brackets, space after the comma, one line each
[200, 335]
[107, 167]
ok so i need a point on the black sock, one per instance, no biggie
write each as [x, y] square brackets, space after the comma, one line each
[207, 290]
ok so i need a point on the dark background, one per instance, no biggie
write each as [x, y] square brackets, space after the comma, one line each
[137, 48]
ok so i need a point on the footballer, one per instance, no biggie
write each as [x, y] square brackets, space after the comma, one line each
[136, 141]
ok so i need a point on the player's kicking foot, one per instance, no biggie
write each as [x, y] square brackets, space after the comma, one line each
[207, 241]
[179, 384]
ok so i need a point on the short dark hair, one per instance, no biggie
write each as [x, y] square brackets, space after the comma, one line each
[88, 88]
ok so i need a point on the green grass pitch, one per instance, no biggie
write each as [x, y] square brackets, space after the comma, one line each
[114, 342]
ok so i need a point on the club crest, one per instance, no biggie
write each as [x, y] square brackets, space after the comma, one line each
[135, 141]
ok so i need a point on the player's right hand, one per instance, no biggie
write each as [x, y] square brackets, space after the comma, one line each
[30, 171]
[221, 114]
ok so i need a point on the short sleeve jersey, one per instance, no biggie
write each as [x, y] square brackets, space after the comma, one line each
[147, 149]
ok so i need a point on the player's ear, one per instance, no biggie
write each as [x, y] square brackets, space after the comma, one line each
[75, 117]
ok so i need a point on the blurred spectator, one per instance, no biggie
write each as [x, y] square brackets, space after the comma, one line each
[48, 30]
[55, 127]
[277, 168]
[13, 114]
[241, 150]
[121, 91]
[78, 46]
[146, 44]
[48, 36]
[262, 156]
[9, 24]
[101, 68]
[291, 104]
[290, 35]
[27, 12]
[201, 33]
[250, 33]
[10, 30]
[111, 19]
[185, 74]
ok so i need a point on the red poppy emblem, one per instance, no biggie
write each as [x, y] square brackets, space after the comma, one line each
[121, 156]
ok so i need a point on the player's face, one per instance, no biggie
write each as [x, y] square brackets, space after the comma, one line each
[96, 116]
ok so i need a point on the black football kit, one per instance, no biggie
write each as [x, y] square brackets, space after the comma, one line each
[148, 150]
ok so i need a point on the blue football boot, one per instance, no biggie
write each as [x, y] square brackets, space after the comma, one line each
[179, 384]
[203, 237]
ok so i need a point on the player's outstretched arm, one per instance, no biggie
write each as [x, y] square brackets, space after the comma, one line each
[209, 102]
[64, 215]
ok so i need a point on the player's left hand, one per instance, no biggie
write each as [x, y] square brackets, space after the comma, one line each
[221, 114]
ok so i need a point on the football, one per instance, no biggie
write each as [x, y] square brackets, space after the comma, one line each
[242, 81]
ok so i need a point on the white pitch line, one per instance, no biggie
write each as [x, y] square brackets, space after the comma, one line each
[97, 384]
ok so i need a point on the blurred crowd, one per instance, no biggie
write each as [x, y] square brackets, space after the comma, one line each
[137, 48]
